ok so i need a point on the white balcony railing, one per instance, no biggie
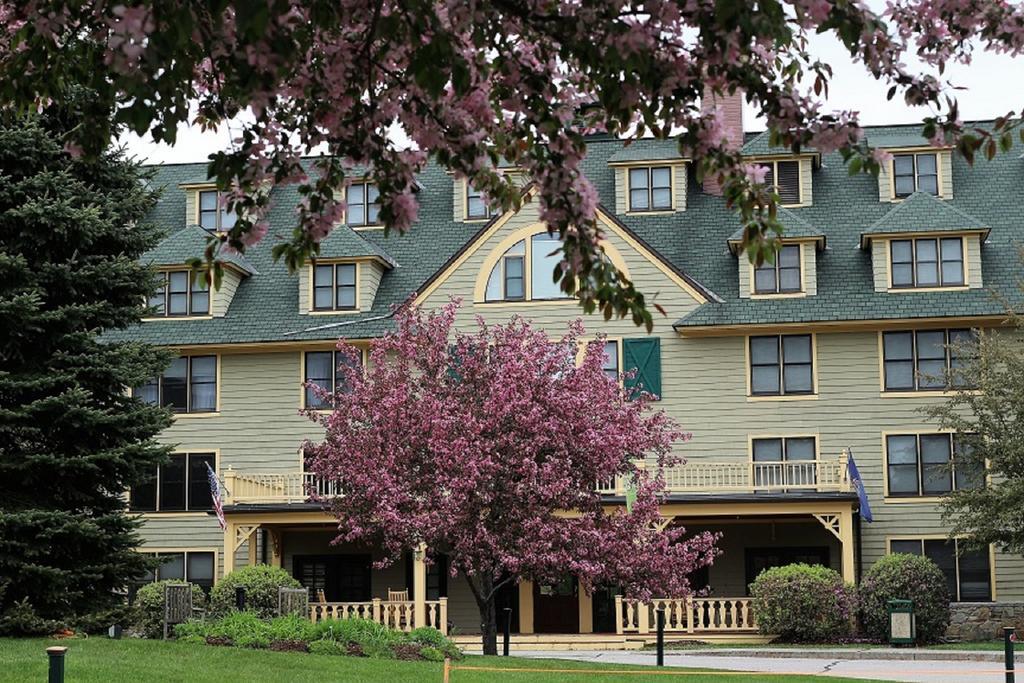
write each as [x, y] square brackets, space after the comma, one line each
[692, 477]
[686, 615]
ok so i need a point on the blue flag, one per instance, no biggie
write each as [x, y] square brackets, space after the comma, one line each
[858, 485]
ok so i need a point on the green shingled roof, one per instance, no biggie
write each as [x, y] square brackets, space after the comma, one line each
[344, 241]
[760, 145]
[794, 225]
[265, 307]
[190, 242]
[644, 149]
[922, 212]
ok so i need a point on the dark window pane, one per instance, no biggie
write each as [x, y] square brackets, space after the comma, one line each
[908, 547]
[904, 186]
[931, 345]
[203, 390]
[172, 566]
[898, 345]
[177, 300]
[902, 251]
[767, 450]
[788, 183]
[928, 183]
[208, 207]
[319, 371]
[639, 196]
[789, 280]
[943, 553]
[514, 277]
[902, 275]
[175, 385]
[322, 298]
[796, 349]
[346, 274]
[142, 497]
[969, 472]
[372, 205]
[798, 379]
[172, 484]
[765, 380]
[975, 576]
[200, 570]
[764, 279]
[902, 461]
[610, 364]
[903, 164]
[148, 392]
[899, 375]
[952, 261]
[764, 350]
[200, 497]
[346, 297]
[936, 476]
[661, 188]
[926, 164]
[322, 276]
[800, 449]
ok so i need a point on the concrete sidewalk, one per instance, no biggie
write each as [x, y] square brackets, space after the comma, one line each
[836, 663]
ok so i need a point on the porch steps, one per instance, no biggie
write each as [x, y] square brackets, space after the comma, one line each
[470, 643]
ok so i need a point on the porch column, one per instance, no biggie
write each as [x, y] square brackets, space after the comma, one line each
[229, 548]
[252, 541]
[846, 540]
[276, 556]
[526, 606]
[586, 611]
[419, 586]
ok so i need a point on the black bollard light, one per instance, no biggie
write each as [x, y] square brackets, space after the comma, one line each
[507, 630]
[660, 619]
[1009, 637]
[240, 598]
[56, 655]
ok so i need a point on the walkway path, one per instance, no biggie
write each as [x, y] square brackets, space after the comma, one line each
[832, 663]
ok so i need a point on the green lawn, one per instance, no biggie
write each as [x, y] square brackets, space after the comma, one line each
[108, 661]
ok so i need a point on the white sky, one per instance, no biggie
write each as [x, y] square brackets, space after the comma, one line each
[991, 88]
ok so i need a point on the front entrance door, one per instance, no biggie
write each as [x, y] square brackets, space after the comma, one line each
[759, 559]
[556, 606]
[604, 609]
[342, 578]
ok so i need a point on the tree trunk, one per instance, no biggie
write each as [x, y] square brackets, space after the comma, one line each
[484, 594]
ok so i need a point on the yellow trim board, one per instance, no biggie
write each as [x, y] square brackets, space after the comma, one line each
[837, 326]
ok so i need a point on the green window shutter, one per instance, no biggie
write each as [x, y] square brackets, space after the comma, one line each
[644, 355]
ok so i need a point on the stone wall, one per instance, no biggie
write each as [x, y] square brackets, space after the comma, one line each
[974, 621]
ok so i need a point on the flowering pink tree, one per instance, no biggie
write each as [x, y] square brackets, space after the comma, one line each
[473, 83]
[487, 447]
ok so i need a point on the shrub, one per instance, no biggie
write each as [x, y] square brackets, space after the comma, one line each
[243, 629]
[190, 629]
[20, 619]
[292, 627]
[431, 654]
[429, 637]
[260, 581]
[905, 577]
[803, 603]
[147, 614]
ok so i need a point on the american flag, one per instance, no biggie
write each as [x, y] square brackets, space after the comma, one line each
[218, 506]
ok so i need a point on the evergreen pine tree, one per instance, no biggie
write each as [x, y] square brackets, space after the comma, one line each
[72, 439]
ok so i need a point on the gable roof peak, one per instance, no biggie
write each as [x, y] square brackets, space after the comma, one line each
[923, 212]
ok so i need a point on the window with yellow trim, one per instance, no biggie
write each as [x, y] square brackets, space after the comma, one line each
[213, 215]
[781, 276]
[178, 295]
[927, 262]
[188, 385]
[192, 566]
[650, 188]
[968, 572]
[915, 173]
[929, 465]
[526, 271]
[784, 178]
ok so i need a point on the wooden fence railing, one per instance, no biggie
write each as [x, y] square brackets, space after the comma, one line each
[685, 615]
[396, 614]
[275, 487]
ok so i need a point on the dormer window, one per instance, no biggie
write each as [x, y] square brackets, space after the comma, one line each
[525, 271]
[650, 188]
[212, 214]
[334, 287]
[784, 177]
[782, 276]
[178, 295]
[915, 173]
[363, 204]
[476, 207]
[927, 262]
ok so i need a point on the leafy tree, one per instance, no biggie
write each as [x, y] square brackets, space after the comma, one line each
[71, 439]
[473, 84]
[987, 413]
[487, 447]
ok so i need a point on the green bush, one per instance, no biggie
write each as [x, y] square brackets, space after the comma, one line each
[431, 654]
[432, 639]
[292, 627]
[260, 581]
[905, 577]
[192, 628]
[803, 603]
[147, 613]
[20, 619]
[242, 629]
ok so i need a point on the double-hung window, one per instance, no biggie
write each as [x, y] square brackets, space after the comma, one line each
[178, 295]
[783, 275]
[334, 287]
[323, 369]
[180, 485]
[915, 173]
[926, 360]
[927, 262]
[968, 572]
[784, 461]
[193, 566]
[784, 177]
[363, 205]
[929, 465]
[610, 365]
[781, 365]
[189, 385]
[650, 188]
[476, 207]
[212, 214]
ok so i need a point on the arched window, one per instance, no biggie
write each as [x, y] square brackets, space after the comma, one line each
[525, 272]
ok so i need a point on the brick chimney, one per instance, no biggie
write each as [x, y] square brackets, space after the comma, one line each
[731, 108]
